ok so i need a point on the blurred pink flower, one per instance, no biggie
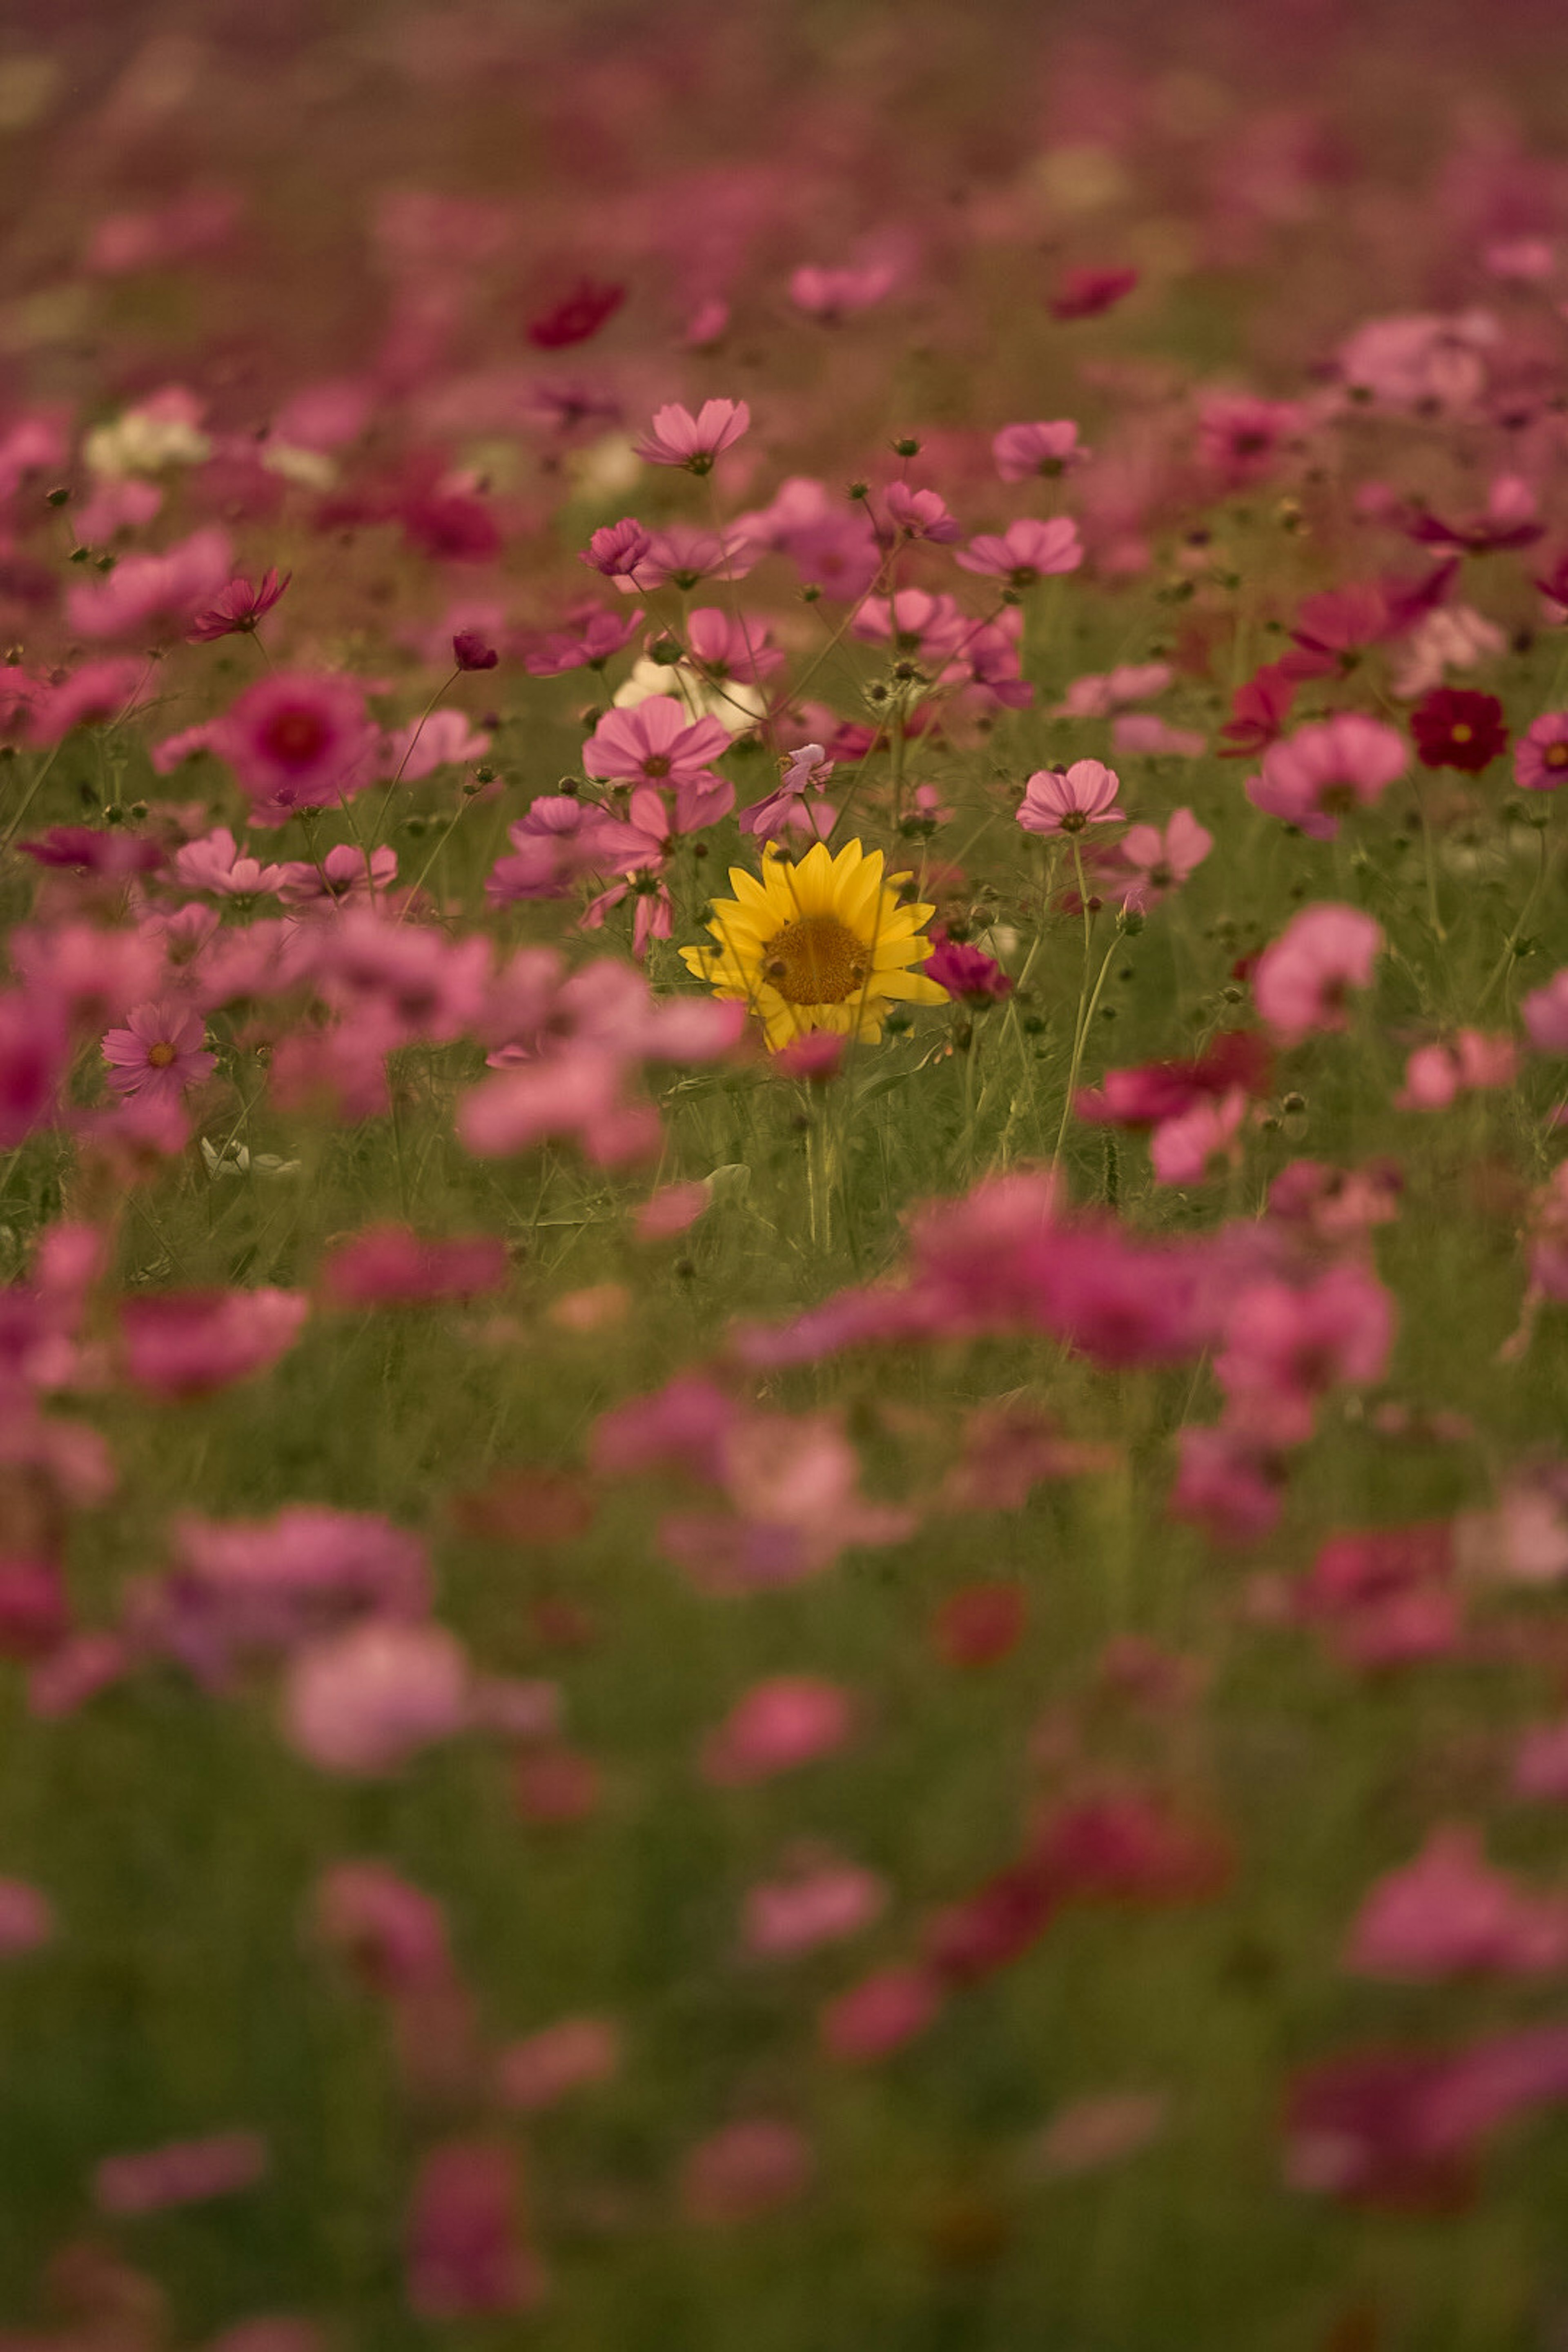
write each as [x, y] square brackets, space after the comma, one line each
[1327, 769]
[186, 2172]
[1025, 552]
[27, 1919]
[777, 1727]
[1447, 1914]
[296, 742]
[571, 2055]
[919, 514]
[153, 592]
[1049, 449]
[215, 863]
[187, 1343]
[364, 1701]
[823, 1903]
[391, 1265]
[239, 608]
[467, 2251]
[881, 2014]
[745, 2171]
[1301, 980]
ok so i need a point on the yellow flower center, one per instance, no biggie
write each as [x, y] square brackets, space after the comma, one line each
[1462, 733]
[161, 1055]
[816, 960]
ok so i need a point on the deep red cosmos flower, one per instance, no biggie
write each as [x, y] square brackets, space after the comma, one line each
[1454, 727]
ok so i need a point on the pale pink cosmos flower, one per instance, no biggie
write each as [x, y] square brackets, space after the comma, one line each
[1540, 753]
[146, 591]
[1025, 552]
[1200, 1142]
[1106, 2128]
[1143, 734]
[442, 738]
[1045, 448]
[90, 974]
[832, 294]
[678, 438]
[1067, 803]
[673, 1208]
[96, 694]
[1326, 770]
[1241, 439]
[1101, 694]
[1545, 1012]
[1435, 1076]
[881, 2014]
[342, 875]
[1162, 861]
[216, 863]
[805, 769]
[160, 1053]
[683, 554]
[1285, 1347]
[364, 1701]
[1302, 978]
[777, 1727]
[823, 1903]
[1453, 637]
[1448, 1914]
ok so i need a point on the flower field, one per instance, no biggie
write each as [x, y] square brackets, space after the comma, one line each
[783, 1226]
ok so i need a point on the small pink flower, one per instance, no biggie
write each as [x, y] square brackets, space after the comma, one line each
[822, 1905]
[441, 739]
[1302, 978]
[160, 1053]
[832, 294]
[919, 514]
[1545, 1012]
[674, 1209]
[571, 2056]
[152, 592]
[1242, 439]
[238, 608]
[96, 694]
[1163, 861]
[745, 2171]
[214, 863]
[678, 438]
[390, 1265]
[466, 2252]
[1085, 293]
[1091, 2132]
[1326, 770]
[186, 2172]
[366, 1701]
[1047, 449]
[35, 1058]
[1199, 1143]
[1436, 1075]
[1143, 734]
[1025, 552]
[1057, 803]
[1099, 695]
[616, 548]
[881, 2014]
[27, 1919]
[777, 1727]
[1446, 1913]
[1541, 754]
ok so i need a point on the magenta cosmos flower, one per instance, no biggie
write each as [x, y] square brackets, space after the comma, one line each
[1541, 755]
[160, 1053]
[238, 608]
[1324, 771]
[1054, 802]
[678, 438]
[1025, 552]
[296, 742]
[1302, 978]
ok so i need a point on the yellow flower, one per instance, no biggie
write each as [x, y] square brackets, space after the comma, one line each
[824, 944]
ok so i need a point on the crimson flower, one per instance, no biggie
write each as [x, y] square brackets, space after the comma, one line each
[1455, 726]
[578, 318]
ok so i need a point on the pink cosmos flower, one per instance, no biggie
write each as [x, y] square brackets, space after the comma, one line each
[148, 591]
[187, 1343]
[1162, 861]
[616, 548]
[1325, 771]
[1545, 1012]
[919, 514]
[1285, 1347]
[1025, 552]
[588, 643]
[1099, 694]
[214, 863]
[968, 973]
[1047, 449]
[1435, 1076]
[390, 1265]
[654, 743]
[1446, 1913]
[1200, 1142]
[1541, 754]
[1085, 293]
[239, 608]
[1301, 979]
[684, 554]
[1242, 439]
[93, 975]
[364, 1701]
[340, 876]
[571, 2055]
[805, 769]
[160, 1053]
[240, 1586]
[467, 2253]
[27, 1919]
[832, 294]
[678, 438]
[1143, 734]
[1058, 802]
[186, 2172]
[96, 694]
[777, 1727]
[730, 644]
[881, 2014]
[296, 742]
[441, 739]
[744, 2170]
[823, 1903]
[1087, 2134]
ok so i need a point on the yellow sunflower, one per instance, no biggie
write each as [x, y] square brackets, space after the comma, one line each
[821, 945]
